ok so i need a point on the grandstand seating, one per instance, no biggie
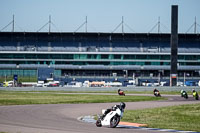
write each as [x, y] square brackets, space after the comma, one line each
[92, 47]
[116, 43]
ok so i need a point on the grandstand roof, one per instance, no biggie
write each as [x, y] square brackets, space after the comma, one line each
[55, 36]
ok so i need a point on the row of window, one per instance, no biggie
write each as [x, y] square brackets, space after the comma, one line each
[96, 56]
[10, 72]
[25, 73]
[99, 63]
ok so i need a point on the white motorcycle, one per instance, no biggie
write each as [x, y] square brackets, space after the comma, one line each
[111, 117]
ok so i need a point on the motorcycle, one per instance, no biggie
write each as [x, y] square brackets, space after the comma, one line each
[112, 118]
[157, 94]
[195, 95]
[184, 94]
[121, 92]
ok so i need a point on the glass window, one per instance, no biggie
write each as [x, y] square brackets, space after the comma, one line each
[92, 56]
[155, 63]
[104, 56]
[83, 56]
[188, 57]
[18, 56]
[129, 57]
[6, 56]
[153, 57]
[98, 56]
[110, 56]
[117, 56]
[76, 56]
[141, 56]
[140, 63]
[67, 56]
[55, 56]
[181, 57]
[165, 57]
[42, 56]
[147, 63]
[31, 56]
[166, 63]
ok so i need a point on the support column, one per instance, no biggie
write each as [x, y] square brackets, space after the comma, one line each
[174, 45]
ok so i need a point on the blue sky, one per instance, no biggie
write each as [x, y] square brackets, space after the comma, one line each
[103, 15]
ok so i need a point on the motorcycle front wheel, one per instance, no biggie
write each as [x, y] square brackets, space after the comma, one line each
[98, 123]
[114, 121]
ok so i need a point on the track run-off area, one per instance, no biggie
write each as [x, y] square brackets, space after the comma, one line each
[63, 118]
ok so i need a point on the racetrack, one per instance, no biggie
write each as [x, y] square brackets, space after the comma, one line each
[62, 118]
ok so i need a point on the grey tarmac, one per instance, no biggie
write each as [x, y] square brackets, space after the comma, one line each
[62, 118]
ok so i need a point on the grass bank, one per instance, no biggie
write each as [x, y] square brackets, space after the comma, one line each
[183, 117]
[110, 92]
[22, 98]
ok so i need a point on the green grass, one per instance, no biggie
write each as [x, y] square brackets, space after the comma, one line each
[184, 117]
[22, 98]
[151, 92]
[110, 92]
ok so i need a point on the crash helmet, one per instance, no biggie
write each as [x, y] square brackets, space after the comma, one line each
[193, 90]
[122, 105]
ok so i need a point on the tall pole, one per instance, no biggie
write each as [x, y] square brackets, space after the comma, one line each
[195, 25]
[174, 45]
[86, 24]
[122, 24]
[13, 26]
[158, 24]
[49, 23]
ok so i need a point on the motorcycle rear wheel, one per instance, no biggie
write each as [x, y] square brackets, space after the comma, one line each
[114, 121]
[197, 97]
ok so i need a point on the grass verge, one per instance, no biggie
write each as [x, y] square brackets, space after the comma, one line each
[22, 98]
[183, 117]
[109, 92]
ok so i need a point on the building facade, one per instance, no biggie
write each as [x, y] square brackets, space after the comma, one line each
[96, 54]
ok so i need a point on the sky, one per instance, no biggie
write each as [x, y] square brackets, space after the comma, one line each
[140, 16]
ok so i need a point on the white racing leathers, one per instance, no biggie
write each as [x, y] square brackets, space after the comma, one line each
[111, 119]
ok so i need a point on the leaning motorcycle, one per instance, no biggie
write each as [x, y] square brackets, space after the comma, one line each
[195, 95]
[157, 94]
[121, 93]
[184, 94]
[111, 119]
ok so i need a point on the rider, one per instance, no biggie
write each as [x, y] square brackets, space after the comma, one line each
[194, 92]
[155, 90]
[121, 106]
[120, 92]
[182, 93]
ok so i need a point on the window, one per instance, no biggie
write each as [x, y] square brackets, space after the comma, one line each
[104, 56]
[67, 56]
[165, 57]
[129, 57]
[141, 57]
[117, 56]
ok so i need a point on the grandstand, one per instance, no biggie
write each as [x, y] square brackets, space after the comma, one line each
[96, 54]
